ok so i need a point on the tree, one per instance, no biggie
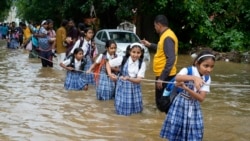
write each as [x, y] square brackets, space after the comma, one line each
[5, 7]
[221, 25]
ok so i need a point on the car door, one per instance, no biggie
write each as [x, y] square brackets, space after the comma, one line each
[98, 41]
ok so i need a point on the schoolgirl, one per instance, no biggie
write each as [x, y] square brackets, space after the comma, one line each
[85, 44]
[74, 66]
[105, 87]
[184, 120]
[128, 95]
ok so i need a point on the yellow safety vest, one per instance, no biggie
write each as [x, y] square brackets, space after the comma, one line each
[160, 59]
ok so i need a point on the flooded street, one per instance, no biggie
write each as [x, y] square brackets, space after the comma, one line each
[35, 107]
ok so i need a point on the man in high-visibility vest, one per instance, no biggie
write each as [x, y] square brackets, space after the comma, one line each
[165, 59]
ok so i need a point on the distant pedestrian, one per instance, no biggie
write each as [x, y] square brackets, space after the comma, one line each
[61, 48]
[45, 49]
[20, 33]
[4, 31]
[72, 36]
[13, 39]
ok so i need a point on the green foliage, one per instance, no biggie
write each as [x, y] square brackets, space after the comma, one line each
[228, 41]
[5, 7]
[220, 24]
[217, 24]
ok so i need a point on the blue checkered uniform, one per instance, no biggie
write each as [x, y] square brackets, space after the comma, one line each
[184, 121]
[128, 96]
[74, 80]
[105, 89]
[88, 77]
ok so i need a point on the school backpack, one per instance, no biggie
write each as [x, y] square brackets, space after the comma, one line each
[72, 63]
[72, 55]
[98, 67]
[171, 91]
[72, 59]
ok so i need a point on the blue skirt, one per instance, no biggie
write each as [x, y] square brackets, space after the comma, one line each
[88, 77]
[184, 121]
[74, 81]
[128, 98]
[13, 44]
[105, 89]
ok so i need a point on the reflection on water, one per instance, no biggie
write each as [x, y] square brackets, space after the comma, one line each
[34, 105]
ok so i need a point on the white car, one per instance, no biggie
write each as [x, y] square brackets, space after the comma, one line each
[123, 38]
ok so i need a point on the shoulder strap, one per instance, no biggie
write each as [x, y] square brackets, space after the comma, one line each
[81, 43]
[206, 78]
[124, 60]
[140, 62]
[83, 63]
[72, 61]
[190, 73]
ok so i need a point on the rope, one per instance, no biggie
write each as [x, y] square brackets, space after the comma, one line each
[150, 80]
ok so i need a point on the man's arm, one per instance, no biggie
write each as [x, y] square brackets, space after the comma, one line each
[153, 46]
[169, 51]
[148, 44]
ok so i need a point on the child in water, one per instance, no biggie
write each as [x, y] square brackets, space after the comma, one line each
[184, 119]
[128, 95]
[105, 87]
[75, 66]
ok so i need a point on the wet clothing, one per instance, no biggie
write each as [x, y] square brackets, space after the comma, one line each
[128, 95]
[46, 58]
[45, 48]
[20, 32]
[86, 47]
[105, 87]
[88, 77]
[13, 40]
[43, 42]
[184, 121]
[74, 79]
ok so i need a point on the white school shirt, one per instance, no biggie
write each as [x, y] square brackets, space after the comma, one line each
[133, 67]
[99, 58]
[84, 46]
[206, 87]
[77, 63]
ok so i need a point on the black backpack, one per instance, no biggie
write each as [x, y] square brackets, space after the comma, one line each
[71, 55]
[72, 63]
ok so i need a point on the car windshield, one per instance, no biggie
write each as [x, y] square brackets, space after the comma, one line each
[124, 37]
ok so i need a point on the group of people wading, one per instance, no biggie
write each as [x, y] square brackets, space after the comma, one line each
[119, 77]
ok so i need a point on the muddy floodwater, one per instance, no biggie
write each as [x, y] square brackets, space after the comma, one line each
[35, 107]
